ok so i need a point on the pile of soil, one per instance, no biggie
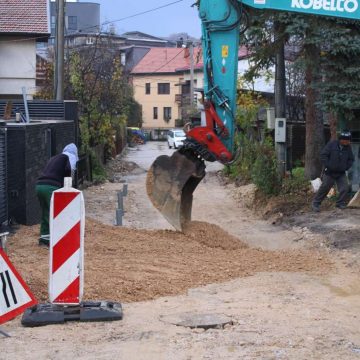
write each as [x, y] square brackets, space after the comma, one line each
[127, 265]
[116, 169]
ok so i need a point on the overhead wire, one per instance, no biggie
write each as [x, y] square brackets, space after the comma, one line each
[101, 25]
[31, 38]
[110, 22]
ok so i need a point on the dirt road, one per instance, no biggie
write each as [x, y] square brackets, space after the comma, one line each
[213, 202]
[292, 299]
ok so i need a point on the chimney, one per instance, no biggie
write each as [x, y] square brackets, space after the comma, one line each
[186, 53]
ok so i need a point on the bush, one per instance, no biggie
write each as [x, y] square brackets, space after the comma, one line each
[296, 183]
[98, 171]
[264, 172]
[242, 167]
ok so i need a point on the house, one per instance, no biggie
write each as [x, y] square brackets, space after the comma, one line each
[265, 83]
[141, 39]
[83, 39]
[80, 17]
[22, 25]
[161, 82]
[131, 56]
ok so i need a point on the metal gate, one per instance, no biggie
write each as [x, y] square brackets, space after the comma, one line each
[3, 178]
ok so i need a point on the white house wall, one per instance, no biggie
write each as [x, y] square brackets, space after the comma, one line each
[17, 66]
[260, 84]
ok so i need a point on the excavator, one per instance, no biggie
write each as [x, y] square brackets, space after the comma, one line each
[172, 180]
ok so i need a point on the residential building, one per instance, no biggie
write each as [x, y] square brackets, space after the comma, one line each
[265, 83]
[84, 39]
[80, 17]
[161, 83]
[141, 39]
[132, 47]
[131, 56]
[22, 25]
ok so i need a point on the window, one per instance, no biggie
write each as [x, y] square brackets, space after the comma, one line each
[155, 113]
[72, 22]
[123, 59]
[41, 45]
[70, 41]
[53, 22]
[167, 113]
[147, 88]
[89, 41]
[163, 88]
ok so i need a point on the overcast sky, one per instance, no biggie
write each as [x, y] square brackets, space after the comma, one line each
[179, 17]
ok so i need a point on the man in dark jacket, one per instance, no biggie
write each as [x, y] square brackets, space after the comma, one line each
[337, 158]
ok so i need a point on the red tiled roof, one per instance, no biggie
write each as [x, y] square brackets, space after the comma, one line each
[170, 60]
[165, 60]
[24, 16]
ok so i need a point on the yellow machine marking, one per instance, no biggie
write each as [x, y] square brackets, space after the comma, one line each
[225, 51]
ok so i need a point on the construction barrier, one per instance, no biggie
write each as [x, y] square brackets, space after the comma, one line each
[15, 296]
[67, 224]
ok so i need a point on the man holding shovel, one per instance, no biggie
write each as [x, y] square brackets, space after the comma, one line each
[337, 158]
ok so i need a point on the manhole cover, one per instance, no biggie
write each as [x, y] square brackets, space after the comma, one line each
[191, 320]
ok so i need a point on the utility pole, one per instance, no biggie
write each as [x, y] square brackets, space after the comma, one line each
[59, 50]
[280, 96]
[191, 48]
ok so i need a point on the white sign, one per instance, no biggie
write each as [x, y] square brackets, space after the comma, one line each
[348, 6]
[15, 296]
[260, 2]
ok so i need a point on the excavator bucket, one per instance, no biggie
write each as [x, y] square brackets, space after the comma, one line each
[170, 183]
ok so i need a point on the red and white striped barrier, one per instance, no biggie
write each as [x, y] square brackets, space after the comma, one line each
[67, 225]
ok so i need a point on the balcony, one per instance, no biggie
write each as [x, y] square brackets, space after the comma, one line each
[182, 99]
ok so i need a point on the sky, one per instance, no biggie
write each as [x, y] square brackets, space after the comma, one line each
[176, 18]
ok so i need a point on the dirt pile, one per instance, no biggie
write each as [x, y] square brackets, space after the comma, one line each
[118, 165]
[212, 236]
[117, 168]
[132, 265]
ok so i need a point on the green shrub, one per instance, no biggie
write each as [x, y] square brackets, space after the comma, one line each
[241, 168]
[296, 183]
[264, 173]
[98, 171]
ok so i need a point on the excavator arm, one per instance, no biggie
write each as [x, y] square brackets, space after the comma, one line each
[171, 181]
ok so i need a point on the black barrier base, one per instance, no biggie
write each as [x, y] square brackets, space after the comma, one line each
[46, 314]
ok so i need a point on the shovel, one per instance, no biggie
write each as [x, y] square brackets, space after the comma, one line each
[355, 201]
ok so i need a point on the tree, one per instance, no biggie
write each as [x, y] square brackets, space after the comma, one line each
[314, 119]
[135, 114]
[96, 80]
[331, 57]
[340, 66]
[327, 59]
[94, 77]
